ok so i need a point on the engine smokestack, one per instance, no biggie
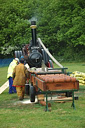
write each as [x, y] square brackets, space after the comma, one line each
[33, 30]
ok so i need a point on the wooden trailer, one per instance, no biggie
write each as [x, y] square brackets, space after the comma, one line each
[51, 81]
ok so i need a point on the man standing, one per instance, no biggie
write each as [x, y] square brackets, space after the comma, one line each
[9, 75]
[20, 75]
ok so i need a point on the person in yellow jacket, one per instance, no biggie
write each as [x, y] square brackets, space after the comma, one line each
[20, 76]
[9, 75]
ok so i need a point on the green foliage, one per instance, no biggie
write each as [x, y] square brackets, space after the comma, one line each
[14, 24]
[60, 24]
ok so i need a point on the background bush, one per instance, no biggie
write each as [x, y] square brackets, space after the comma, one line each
[60, 26]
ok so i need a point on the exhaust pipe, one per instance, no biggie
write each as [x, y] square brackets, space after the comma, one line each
[33, 30]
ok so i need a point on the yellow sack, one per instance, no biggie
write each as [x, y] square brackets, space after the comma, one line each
[81, 81]
[79, 74]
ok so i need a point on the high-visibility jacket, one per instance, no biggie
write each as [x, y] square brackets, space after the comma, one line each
[11, 68]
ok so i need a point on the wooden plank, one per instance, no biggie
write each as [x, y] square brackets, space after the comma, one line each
[4, 86]
[63, 100]
[62, 86]
[40, 97]
[40, 84]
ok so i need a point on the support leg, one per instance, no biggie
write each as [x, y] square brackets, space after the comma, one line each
[46, 103]
[73, 105]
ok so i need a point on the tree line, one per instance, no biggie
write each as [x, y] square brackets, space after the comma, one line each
[60, 25]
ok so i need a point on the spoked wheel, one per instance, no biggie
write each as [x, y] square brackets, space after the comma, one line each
[32, 93]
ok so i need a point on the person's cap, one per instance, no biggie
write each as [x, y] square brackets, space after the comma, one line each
[17, 59]
[22, 57]
[22, 60]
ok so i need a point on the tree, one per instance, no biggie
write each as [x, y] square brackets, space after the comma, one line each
[60, 24]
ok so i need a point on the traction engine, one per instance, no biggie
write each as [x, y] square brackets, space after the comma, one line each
[33, 52]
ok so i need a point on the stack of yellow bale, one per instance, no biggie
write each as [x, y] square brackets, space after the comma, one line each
[80, 76]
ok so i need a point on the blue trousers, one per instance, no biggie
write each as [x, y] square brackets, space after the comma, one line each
[11, 88]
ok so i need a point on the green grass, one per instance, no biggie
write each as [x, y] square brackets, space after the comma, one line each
[73, 66]
[62, 115]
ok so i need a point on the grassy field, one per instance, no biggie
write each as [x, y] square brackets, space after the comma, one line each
[62, 115]
[74, 66]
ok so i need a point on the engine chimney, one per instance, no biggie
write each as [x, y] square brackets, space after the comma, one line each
[33, 30]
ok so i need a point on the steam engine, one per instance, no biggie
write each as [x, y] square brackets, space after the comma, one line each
[33, 52]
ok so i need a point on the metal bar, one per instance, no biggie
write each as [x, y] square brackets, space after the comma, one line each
[63, 70]
[58, 91]
[57, 68]
[73, 105]
[46, 102]
[43, 73]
